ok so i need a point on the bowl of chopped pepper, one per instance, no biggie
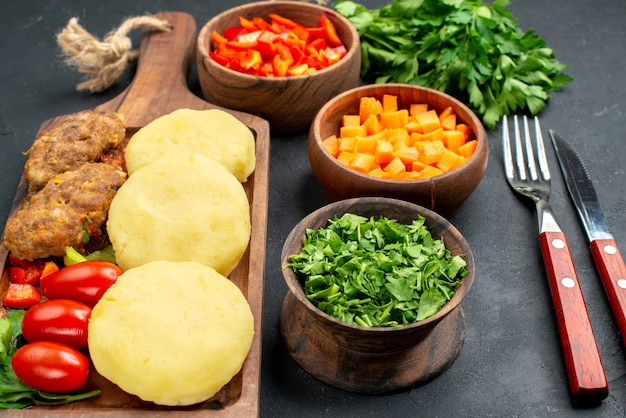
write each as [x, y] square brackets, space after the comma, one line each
[375, 287]
[401, 141]
[281, 60]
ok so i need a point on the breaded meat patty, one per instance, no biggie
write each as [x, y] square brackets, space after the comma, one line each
[74, 139]
[71, 205]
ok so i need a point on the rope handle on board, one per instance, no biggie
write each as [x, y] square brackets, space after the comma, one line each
[103, 61]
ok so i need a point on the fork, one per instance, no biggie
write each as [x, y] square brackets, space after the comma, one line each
[530, 177]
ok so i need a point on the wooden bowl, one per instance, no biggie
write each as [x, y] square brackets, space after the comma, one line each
[373, 360]
[288, 103]
[444, 193]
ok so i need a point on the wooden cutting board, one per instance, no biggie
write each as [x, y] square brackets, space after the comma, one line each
[158, 88]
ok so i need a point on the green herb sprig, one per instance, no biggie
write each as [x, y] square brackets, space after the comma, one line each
[377, 272]
[470, 49]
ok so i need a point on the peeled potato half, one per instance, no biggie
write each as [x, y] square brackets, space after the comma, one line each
[182, 207]
[213, 132]
[172, 333]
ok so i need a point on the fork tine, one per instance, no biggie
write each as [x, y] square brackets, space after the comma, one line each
[532, 165]
[541, 151]
[506, 146]
[519, 155]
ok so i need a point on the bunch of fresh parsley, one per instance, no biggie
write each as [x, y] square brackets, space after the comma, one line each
[377, 272]
[469, 49]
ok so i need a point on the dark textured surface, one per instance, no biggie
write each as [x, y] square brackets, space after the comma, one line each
[511, 363]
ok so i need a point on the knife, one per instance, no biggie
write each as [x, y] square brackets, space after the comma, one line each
[606, 254]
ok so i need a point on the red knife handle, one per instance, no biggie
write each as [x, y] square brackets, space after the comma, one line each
[587, 379]
[612, 270]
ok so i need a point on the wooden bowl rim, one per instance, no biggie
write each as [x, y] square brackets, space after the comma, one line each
[295, 287]
[482, 147]
[203, 42]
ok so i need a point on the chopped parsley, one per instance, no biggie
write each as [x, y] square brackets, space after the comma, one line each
[377, 272]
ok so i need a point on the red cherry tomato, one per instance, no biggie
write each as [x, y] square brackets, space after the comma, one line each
[61, 320]
[84, 282]
[51, 367]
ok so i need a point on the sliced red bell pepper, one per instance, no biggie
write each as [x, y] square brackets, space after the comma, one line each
[280, 66]
[17, 275]
[25, 271]
[217, 38]
[283, 21]
[245, 23]
[278, 48]
[251, 60]
[250, 37]
[330, 30]
[260, 23]
[21, 296]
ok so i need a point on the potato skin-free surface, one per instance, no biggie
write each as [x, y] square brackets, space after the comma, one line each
[184, 207]
[213, 132]
[172, 333]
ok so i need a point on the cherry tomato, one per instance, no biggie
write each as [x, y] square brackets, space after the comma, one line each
[61, 320]
[84, 282]
[51, 367]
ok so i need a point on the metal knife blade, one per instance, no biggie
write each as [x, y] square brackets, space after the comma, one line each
[606, 254]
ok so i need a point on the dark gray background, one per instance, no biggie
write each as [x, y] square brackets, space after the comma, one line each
[511, 363]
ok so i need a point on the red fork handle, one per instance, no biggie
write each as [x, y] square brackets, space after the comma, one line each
[612, 270]
[585, 371]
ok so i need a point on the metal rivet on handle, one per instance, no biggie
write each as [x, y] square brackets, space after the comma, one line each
[558, 243]
[622, 283]
[567, 282]
[609, 249]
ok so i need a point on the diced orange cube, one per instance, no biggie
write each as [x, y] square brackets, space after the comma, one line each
[407, 155]
[332, 145]
[350, 120]
[449, 122]
[417, 166]
[379, 172]
[395, 166]
[346, 157]
[416, 137]
[429, 171]
[412, 126]
[416, 108]
[454, 139]
[346, 131]
[407, 175]
[394, 119]
[429, 120]
[467, 149]
[436, 135]
[383, 153]
[347, 144]
[430, 152]
[372, 125]
[390, 103]
[450, 160]
[366, 144]
[445, 113]
[369, 106]
[397, 135]
[362, 162]
[465, 129]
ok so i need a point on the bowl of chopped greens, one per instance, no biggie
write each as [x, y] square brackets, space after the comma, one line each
[281, 60]
[401, 141]
[375, 291]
